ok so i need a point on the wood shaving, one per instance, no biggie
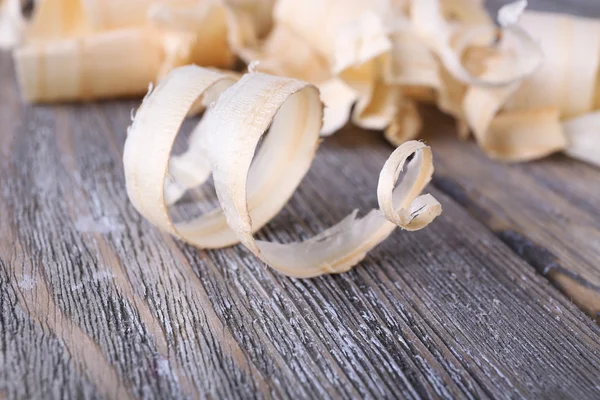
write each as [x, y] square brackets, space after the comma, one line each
[91, 49]
[252, 193]
[406, 124]
[564, 86]
[368, 58]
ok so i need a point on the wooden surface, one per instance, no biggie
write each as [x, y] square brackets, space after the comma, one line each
[545, 211]
[96, 303]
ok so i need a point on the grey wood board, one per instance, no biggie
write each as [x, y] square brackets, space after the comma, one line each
[98, 303]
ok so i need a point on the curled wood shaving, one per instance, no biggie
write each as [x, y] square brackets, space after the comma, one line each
[336, 45]
[115, 48]
[526, 118]
[253, 183]
[113, 63]
[406, 124]
[568, 74]
[438, 33]
[523, 135]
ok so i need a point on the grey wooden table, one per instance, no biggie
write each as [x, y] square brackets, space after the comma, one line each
[491, 301]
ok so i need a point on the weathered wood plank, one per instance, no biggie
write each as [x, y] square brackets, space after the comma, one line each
[94, 302]
[59, 278]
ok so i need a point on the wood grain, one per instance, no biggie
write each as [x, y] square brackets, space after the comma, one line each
[97, 303]
[546, 211]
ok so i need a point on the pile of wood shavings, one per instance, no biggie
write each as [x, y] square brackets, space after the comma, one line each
[524, 89]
